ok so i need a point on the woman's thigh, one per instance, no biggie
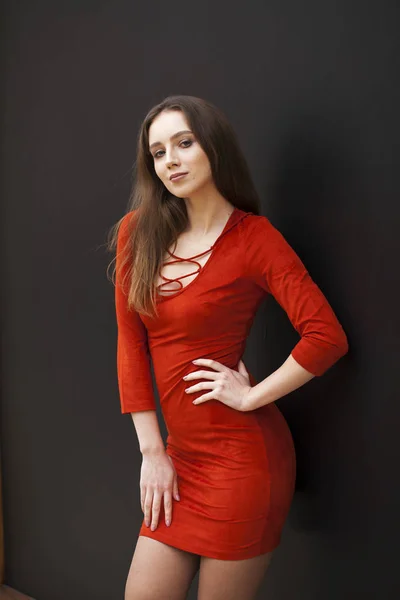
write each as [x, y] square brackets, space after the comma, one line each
[231, 579]
[159, 571]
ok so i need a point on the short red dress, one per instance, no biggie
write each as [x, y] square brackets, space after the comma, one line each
[236, 470]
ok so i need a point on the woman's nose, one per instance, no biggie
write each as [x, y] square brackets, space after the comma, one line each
[170, 158]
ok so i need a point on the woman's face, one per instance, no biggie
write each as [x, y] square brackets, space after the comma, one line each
[175, 150]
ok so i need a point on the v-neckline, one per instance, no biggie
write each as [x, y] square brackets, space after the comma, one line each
[232, 220]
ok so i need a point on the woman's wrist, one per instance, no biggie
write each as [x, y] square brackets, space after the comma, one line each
[153, 450]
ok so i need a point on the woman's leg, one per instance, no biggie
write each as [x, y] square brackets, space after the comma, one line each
[159, 571]
[231, 579]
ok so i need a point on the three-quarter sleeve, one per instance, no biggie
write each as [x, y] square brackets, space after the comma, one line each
[133, 355]
[275, 267]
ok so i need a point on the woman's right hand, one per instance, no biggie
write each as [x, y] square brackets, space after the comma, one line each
[158, 481]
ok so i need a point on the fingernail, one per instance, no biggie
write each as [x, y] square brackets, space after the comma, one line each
[147, 523]
[153, 527]
[168, 522]
[178, 497]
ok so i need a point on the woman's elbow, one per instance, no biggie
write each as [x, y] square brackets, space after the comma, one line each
[342, 344]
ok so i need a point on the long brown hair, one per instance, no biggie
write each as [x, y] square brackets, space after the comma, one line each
[159, 216]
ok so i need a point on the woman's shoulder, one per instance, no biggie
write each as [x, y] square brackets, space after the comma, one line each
[258, 227]
[124, 228]
[127, 221]
[129, 216]
[264, 241]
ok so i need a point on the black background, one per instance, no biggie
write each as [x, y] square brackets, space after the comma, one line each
[312, 90]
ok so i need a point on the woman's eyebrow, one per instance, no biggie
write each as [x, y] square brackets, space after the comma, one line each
[172, 137]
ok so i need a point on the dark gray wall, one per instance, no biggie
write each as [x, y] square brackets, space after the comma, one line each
[312, 90]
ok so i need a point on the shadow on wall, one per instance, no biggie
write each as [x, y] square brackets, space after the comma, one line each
[313, 196]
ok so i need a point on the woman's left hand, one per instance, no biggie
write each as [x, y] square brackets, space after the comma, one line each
[227, 386]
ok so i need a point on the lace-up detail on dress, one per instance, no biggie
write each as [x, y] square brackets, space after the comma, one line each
[235, 217]
[177, 279]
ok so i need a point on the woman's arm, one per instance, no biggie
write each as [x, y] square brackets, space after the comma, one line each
[273, 265]
[284, 380]
[158, 477]
[148, 432]
[133, 360]
[133, 355]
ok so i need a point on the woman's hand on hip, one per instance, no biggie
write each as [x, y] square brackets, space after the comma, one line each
[226, 385]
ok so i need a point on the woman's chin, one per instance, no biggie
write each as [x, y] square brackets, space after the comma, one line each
[183, 192]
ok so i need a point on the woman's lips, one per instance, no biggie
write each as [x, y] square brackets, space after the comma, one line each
[178, 177]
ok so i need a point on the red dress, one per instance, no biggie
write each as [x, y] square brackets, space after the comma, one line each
[236, 470]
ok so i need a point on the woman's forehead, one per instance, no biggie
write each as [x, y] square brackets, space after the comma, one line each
[167, 124]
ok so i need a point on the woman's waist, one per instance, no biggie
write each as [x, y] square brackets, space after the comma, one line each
[212, 421]
[169, 370]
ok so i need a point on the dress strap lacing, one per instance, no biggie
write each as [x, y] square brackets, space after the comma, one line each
[180, 259]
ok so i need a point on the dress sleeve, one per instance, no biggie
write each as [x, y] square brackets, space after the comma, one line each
[275, 267]
[133, 355]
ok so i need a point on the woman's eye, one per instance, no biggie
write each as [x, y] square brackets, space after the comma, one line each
[188, 142]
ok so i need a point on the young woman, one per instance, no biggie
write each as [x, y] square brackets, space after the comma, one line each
[194, 261]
